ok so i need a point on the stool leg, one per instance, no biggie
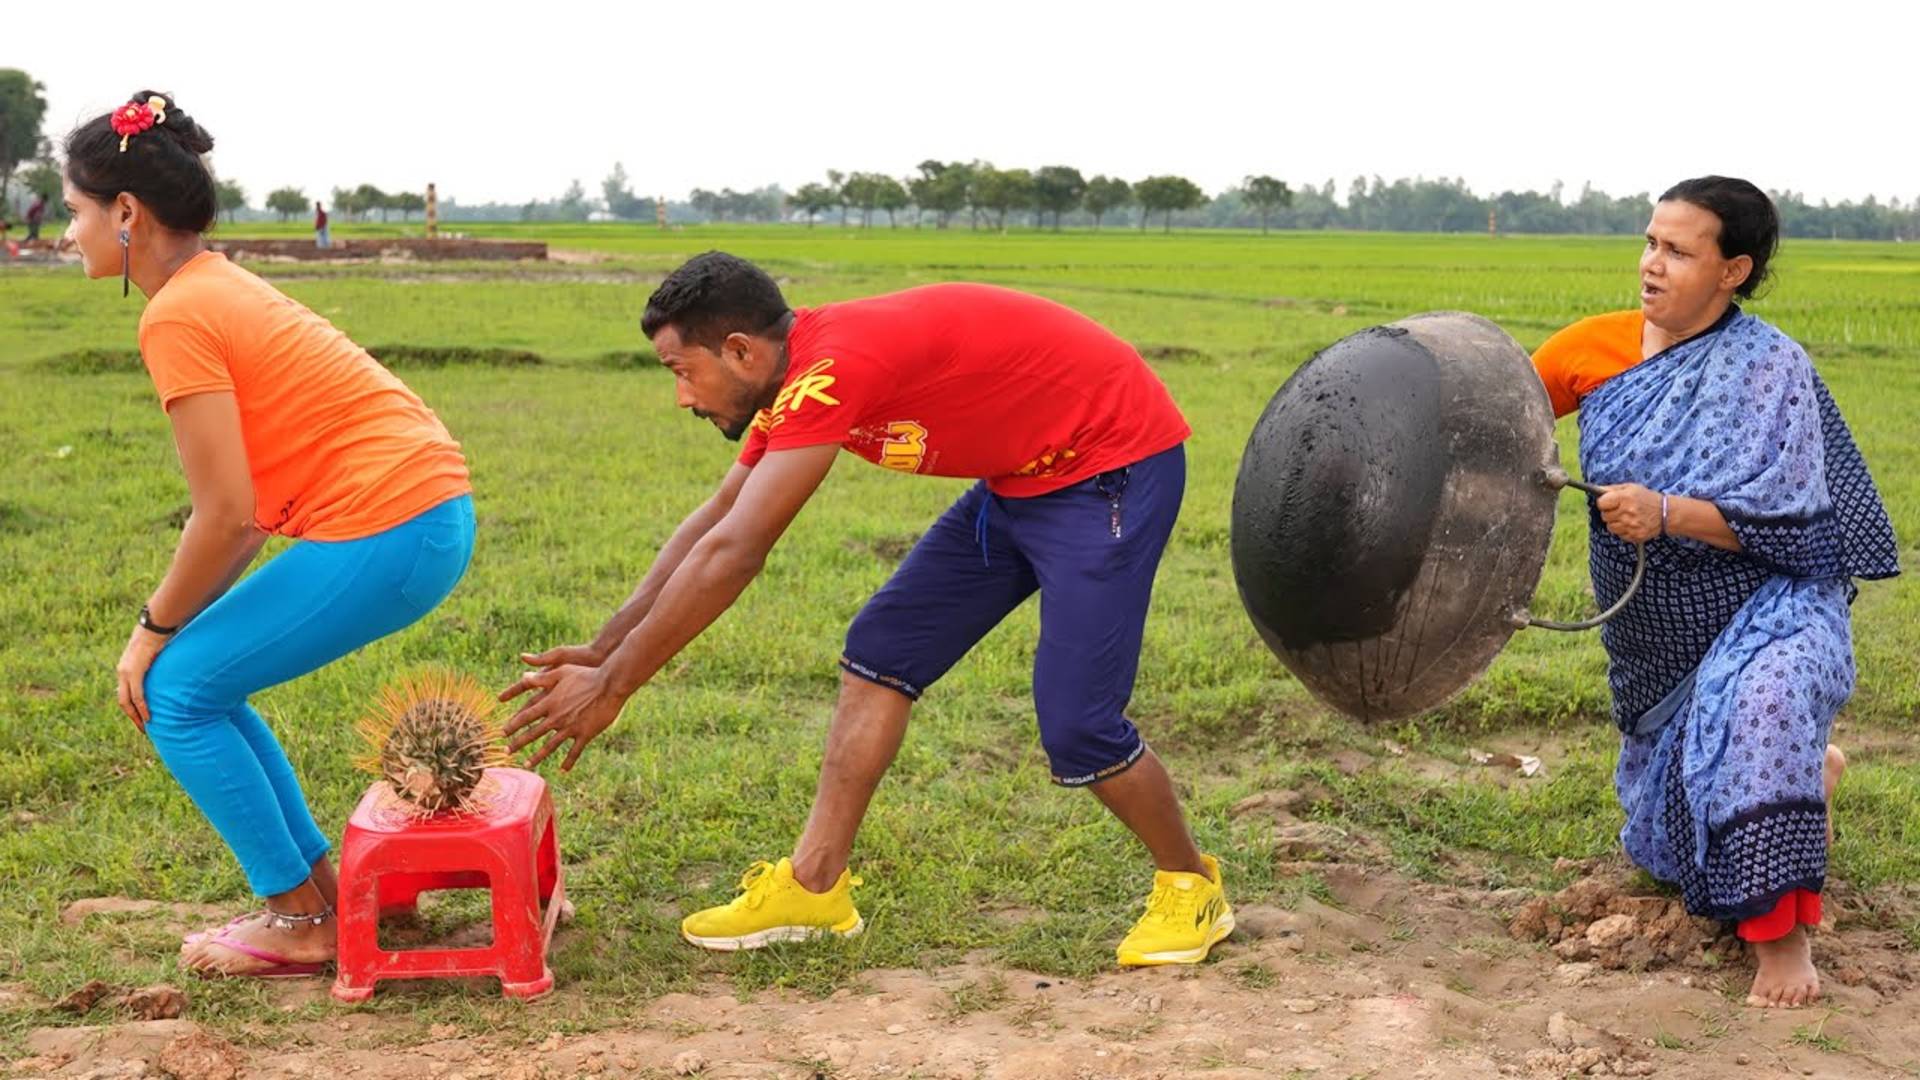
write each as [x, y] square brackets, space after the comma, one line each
[527, 991]
[357, 926]
[519, 933]
[547, 860]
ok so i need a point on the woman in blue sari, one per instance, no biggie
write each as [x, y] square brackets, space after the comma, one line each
[1722, 451]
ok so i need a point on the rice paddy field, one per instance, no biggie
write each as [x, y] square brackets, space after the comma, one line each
[582, 467]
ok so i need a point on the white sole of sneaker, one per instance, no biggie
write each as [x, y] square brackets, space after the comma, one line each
[1219, 933]
[773, 935]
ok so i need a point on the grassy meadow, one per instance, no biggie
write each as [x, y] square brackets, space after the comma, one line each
[582, 466]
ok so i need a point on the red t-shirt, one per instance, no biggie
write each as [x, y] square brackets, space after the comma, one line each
[968, 380]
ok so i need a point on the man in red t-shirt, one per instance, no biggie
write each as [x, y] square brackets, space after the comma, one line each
[1078, 449]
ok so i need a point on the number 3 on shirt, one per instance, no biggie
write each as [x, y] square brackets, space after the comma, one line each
[906, 445]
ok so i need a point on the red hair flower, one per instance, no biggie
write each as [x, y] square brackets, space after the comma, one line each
[135, 117]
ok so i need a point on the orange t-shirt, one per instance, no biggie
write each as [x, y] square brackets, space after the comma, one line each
[1574, 362]
[338, 447]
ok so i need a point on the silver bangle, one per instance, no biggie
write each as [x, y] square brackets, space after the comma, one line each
[1663, 513]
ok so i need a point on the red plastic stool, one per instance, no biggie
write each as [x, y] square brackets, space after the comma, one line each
[506, 845]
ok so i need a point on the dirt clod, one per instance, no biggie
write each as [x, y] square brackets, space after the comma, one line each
[1603, 919]
[86, 997]
[199, 1055]
[1284, 802]
[158, 1002]
[1611, 932]
[1573, 974]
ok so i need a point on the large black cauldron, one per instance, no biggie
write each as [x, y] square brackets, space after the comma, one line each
[1393, 510]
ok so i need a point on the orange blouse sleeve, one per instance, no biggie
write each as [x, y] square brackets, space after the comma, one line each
[1553, 362]
[1575, 361]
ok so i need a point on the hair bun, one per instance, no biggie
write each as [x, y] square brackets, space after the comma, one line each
[181, 127]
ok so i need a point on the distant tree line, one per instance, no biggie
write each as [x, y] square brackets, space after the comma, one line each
[986, 196]
[356, 203]
[940, 193]
[980, 195]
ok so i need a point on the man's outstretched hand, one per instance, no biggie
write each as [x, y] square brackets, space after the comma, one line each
[573, 704]
[583, 655]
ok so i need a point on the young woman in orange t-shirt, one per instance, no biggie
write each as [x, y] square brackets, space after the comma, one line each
[283, 426]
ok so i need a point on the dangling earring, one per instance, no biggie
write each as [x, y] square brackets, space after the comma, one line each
[126, 268]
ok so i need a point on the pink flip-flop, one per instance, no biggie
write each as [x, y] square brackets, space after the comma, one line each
[279, 967]
[199, 936]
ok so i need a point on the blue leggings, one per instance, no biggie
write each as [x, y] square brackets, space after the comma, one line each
[316, 602]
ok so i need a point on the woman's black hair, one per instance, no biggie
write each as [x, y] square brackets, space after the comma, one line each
[163, 166]
[1749, 224]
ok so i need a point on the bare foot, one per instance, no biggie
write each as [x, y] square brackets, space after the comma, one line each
[1786, 979]
[1830, 776]
[305, 944]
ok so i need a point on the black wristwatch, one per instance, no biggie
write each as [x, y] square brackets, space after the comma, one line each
[146, 621]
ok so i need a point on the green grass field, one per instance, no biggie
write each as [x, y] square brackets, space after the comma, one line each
[582, 466]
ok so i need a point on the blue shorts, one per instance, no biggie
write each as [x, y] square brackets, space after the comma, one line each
[987, 554]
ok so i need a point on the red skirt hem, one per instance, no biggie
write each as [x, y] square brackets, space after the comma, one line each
[1798, 908]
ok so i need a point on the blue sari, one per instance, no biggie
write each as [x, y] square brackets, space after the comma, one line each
[1728, 668]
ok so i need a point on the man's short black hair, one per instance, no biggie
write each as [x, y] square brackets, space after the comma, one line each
[713, 295]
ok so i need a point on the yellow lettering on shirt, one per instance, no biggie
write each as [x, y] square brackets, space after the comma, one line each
[809, 385]
[905, 446]
[1046, 464]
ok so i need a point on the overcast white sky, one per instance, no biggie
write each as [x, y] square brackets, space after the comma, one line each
[509, 101]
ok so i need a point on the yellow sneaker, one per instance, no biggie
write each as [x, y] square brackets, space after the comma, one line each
[771, 908]
[1185, 916]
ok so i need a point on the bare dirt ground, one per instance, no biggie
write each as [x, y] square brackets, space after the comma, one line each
[1393, 979]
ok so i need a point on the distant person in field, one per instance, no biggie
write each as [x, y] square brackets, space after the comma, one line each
[36, 213]
[283, 427]
[322, 236]
[1722, 451]
[1079, 452]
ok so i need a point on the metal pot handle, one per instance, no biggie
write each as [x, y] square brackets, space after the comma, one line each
[1557, 479]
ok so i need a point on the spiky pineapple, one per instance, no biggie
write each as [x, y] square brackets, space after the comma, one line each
[432, 737]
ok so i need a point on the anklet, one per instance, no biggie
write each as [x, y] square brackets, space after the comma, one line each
[281, 920]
